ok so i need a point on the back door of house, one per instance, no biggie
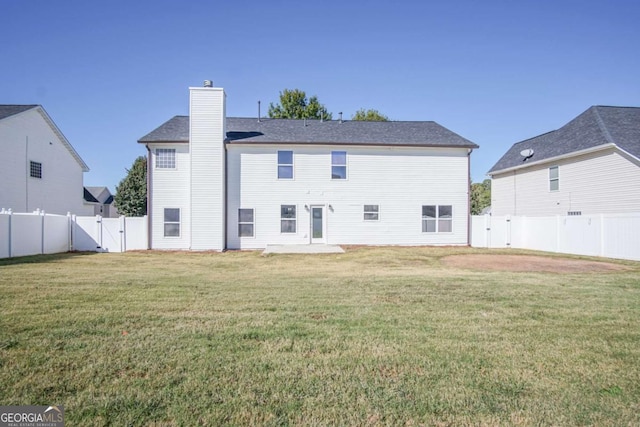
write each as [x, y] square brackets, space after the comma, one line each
[318, 224]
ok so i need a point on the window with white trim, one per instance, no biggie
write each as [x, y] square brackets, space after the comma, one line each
[371, 212]
[165, 158]
[35, 169]
[287, 218]
[285, 164]
[437, 218]
[554, 178]
[171, 222]
[246, 223]
[338, 165]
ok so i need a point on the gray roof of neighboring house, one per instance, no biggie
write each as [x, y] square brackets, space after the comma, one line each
[10, 110]
[88, 197]
[98, 194]
[598, 125]
[279, 131]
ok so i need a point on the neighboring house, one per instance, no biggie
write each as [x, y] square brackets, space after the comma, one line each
[39, 169]
[220, 183]
[100, 201]
[591, 165]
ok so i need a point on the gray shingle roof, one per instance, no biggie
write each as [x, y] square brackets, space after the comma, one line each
[278, 131]
[10, 110]
[598, 125]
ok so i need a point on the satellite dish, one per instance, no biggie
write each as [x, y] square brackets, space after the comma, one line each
[526, 153]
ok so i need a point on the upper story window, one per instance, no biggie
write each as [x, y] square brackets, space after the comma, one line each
[35, 170]
[285, 164]
[165, 158]
[338, 165]
[554, 178]
[437, 219]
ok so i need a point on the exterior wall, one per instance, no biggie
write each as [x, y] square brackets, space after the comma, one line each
[170, 189]
[27, 137]
[607, 181]
[206, 135]
[400, 180]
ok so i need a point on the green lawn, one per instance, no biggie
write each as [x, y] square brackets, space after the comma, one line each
[376, 336]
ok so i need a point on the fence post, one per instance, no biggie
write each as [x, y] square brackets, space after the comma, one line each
[602, 237]
[69, 235]
[99, 225]
[123, 233]
[42, 215]
[9, 232]
[508, 231]
[558, 232]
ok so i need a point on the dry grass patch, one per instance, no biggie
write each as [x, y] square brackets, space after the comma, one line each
[530, 263]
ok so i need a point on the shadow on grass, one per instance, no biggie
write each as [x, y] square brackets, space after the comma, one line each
[35, 259]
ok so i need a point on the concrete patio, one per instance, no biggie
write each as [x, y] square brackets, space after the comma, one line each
[303, 249]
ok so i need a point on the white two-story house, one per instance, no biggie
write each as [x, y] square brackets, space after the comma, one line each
[219, 183]
[39, 169]
[591, 165]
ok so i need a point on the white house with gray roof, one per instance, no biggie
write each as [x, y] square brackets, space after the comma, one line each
[39, 169]
[591, 165]
[220, 183]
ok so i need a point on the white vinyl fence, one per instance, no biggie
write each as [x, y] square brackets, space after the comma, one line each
[611, 236]
[35, 233]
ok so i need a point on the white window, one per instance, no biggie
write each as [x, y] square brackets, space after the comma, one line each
[35, 170]
[285, 164]
[554, 179]
[287, 218]
[437, 219]
[245, 223]
[171, 222]
[165, 158]
[338, 165]
[371, 212]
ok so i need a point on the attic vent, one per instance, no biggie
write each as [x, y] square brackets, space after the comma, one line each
[208, 83]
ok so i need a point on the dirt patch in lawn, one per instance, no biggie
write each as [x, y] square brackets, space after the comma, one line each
[529, 263]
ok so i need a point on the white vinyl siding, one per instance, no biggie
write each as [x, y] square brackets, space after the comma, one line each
[603, 182]
[206, 139]
[57, 188]
[396, 178]
[168, 191]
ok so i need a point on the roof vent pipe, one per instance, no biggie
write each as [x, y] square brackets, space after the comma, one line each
[258, 111]
[340, 116]
[208, 83]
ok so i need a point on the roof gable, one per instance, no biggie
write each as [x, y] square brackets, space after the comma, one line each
[597, 126]
[288, 131]
[11, 110]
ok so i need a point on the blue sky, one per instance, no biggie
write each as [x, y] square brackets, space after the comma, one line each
[495, 72]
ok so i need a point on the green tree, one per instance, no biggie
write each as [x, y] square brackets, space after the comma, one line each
[131, 193]
[480, 196]
[369, 116]
[295, 105]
